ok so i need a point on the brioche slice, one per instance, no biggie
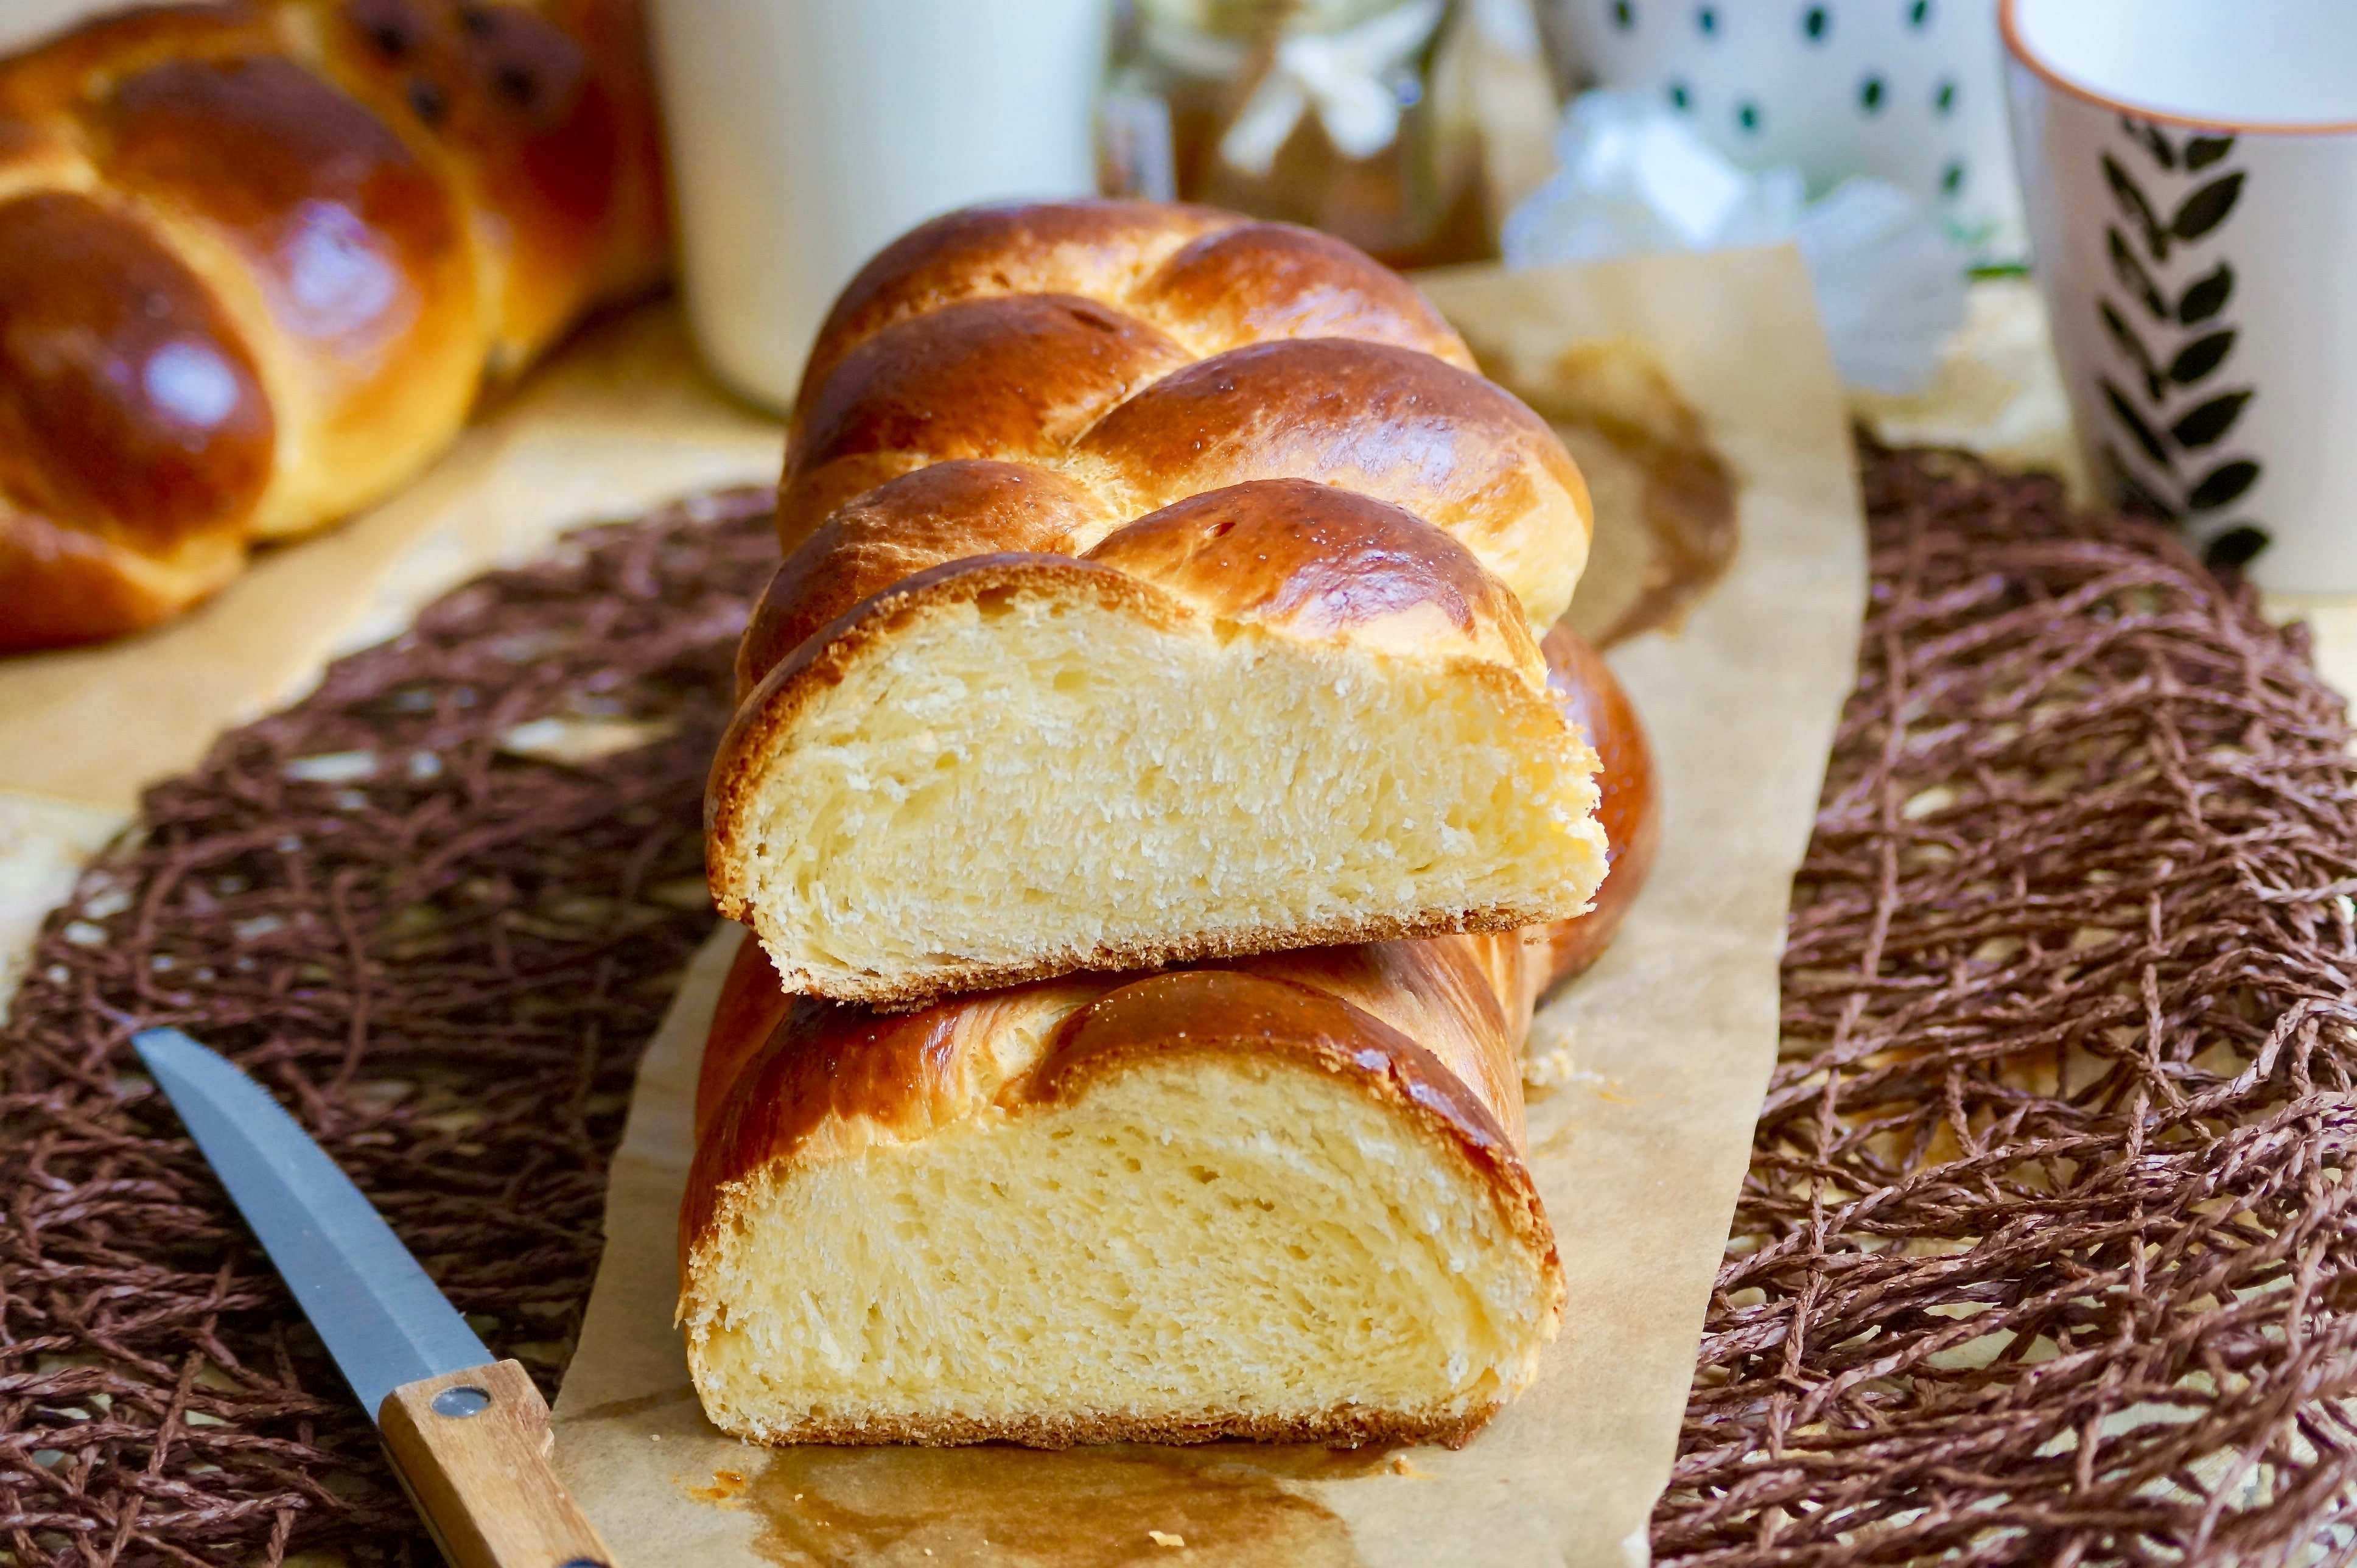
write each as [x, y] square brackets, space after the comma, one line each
[1283, 1199]
[1269, 716]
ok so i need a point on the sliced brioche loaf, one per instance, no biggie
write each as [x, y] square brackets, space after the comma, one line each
[1275, 714]
[1163, 585]
[1282, 1200]
[1279, 1196]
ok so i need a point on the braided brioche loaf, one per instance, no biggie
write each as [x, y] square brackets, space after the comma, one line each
[257, 258]
[1160, 585]
[1278, 1196]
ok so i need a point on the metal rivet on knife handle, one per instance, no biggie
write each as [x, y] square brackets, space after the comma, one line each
[473, 1448]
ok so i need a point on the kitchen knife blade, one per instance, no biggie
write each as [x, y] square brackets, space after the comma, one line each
[382, 1318]
[468, 1435]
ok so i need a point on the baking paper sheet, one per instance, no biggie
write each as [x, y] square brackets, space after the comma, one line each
[1660, 1056]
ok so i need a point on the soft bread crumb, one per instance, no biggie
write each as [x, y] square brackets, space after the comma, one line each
[1549, 1068]
[1114, 788]
[1197, 1247]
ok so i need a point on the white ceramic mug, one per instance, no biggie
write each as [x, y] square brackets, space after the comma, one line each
[806, 133]
[2190, 175]
[1906, 91]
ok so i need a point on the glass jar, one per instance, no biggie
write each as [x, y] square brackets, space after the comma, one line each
[1377, 121]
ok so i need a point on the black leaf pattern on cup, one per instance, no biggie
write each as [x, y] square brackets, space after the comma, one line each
[2134, 422]
[2145, 475]
[2235, 548]
[2205, 296]
[2200, 357]
[2135, 494]
[2206, 208]
[2137, 206]
[2223, 485]
[2203, 151]
[2153, 142]
[2205, 423]
[2156, 383]
[2131, 274]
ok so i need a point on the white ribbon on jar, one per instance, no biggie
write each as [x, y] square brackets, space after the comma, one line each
[1345, 76]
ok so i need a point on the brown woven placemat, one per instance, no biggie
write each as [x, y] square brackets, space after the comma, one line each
[445, 944]
[2046, 1253]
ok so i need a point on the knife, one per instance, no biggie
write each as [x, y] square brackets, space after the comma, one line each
[468, 1436]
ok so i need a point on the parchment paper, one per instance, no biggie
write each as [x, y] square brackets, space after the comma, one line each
[1660, 1054]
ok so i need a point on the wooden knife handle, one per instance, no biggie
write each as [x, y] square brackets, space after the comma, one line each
[472, 1450]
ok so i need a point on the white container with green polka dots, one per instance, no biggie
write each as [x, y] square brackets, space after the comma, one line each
[1909, 91]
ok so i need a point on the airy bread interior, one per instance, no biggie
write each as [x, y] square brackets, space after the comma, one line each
[1197, 1246]
[1031, 784]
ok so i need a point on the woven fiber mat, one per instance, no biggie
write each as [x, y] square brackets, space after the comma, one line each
[2045, 1255]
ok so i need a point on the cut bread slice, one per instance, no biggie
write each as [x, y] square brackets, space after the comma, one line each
[1206, 1204]
[1269, 716]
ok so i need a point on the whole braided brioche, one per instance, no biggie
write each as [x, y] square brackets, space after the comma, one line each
[1278, 1196]
[257, 258]
[1160, 585]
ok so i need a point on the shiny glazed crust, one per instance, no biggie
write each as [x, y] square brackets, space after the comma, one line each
[1630, 808]
[1124, 356]
[257, 258]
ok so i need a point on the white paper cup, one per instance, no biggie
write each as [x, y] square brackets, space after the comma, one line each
[804, 135]
[2189, 169]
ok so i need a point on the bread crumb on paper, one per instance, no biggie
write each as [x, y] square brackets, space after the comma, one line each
[1552, 1068]
[1165, 1537]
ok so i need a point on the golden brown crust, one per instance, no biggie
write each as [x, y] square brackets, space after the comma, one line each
[351, 250]
[1404, 427]
[135, 433]
[751, 1002]
[1257, 282]
[947, 511]
[299, 233]
[67, 585]
[1345, 1426]
[1458, 998]
[1312, 561]
[1148, 353]
[1326, 564]
[1630, 809]
[545, 116]
[1025, 375]
[1096, 249]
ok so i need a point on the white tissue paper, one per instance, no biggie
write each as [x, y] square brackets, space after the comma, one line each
[1634, 176]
